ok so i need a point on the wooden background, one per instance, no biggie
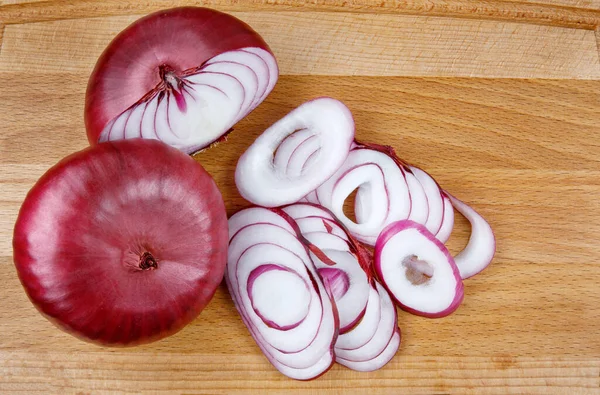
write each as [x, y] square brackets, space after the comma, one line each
[498, 99]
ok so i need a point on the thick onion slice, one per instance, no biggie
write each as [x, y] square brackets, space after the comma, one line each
[348, 276]
[296, 154]
[480, 249]
[418, 270]
[381, 345]
[184, 76]
[277, 291]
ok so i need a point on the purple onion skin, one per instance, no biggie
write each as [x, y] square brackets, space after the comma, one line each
[122, 243]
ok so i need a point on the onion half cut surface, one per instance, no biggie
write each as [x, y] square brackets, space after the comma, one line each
[184, 76]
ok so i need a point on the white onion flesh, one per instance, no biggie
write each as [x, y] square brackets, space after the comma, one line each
[263, 179]
[481, 246]
[351, 305]
[332, 240]
[375, 363]
[364, 331]
[382, 190]
[386, 329]
[434, 199]
[419, 210]
[196, 109]
[445, 230]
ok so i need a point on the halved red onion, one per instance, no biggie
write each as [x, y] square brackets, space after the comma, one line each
[279, 295]
[348, 275]
[418, 270]
[281, 168]
[383, 343]
[184, 76]
[480, 249]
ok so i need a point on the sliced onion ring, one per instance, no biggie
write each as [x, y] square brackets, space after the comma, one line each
[316, 225]
[364, 331]
[434, 199]
[382, 189]
[480, 249]
[264, 180]
[445, 230]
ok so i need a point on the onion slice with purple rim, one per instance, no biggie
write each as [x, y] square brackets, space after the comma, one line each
[418, 270]
[383, 343]
[383, 192]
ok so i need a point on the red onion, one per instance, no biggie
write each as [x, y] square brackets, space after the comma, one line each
[122, 243]
[369, 334]
[184, 76]
[418, 270]
[296, 154]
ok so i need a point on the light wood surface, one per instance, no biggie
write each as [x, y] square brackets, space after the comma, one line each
[520, 145]
[566, 13]
[328, 43]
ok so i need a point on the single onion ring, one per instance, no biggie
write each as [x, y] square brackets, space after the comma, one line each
[480, 249]
[267, 177]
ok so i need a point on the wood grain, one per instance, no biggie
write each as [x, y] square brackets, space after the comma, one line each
[344, 44]
[583, 14]
[520, 151]
[524, 152]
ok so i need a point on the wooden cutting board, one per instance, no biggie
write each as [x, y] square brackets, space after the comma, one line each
[499, 100]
